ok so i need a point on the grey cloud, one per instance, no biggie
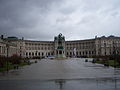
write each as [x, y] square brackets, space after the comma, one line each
[16, 14]
[43, 19]
[67, 10]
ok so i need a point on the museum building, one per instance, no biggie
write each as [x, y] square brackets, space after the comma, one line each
[98, 46]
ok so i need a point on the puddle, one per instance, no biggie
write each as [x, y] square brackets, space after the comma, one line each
[62, 84]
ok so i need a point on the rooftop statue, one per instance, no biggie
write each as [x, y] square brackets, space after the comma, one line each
[59, 37]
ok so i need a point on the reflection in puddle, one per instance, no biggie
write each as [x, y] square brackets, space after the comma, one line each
[60, 82]
[117, 71]
[112, 83]
[15, 72]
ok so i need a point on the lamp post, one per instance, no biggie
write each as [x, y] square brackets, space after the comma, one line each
[105, 59]
[7, 46]
[114, 53]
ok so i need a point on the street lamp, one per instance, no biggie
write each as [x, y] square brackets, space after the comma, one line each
[7, 46]
[114, 53]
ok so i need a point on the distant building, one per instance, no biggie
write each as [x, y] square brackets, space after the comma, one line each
[107, 45]
[11, 46]
[99, 46]
[2, 48]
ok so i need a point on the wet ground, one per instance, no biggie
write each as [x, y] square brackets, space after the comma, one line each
[72, 74]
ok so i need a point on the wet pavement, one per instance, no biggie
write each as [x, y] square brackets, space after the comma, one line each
[69, 74]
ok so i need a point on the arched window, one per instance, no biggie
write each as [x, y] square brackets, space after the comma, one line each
[36, 53]
[29, 53]
[80, 53]
[32, 53]
[42, 54]
[67, 53]
[39, 53]
[77, 53]
[60, 52]
[26, 54]
[48, 54]
[83, 52]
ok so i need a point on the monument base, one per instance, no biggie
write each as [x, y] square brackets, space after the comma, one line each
[60, 57]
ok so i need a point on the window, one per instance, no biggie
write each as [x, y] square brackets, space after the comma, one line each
[32, 53]
[48, 48]
[29, 53]
[67, 53]
[89, 52]
[77, 53]
[83, 52]
[36, 53]
[26, 54]
[80, 53]
[42, 53]
[60, 52]
[39, 53]
[48, 54]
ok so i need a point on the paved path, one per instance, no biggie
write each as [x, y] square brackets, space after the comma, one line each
[75, 73]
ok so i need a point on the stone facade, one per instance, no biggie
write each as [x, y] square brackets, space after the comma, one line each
[83, 48]
[39, 48]
[8, 49]
[2, 48]
[107, 45]
[99, 46]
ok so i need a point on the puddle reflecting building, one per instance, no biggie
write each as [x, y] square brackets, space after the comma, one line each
[98, 46]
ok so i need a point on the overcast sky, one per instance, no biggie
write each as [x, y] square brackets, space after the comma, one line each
[44, 19]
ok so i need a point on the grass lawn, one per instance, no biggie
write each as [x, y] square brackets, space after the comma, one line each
[109, 62]
[11, 66]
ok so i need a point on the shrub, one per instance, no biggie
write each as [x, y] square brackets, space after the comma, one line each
[15, 59]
